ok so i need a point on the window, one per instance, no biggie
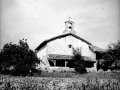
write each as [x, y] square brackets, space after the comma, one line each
[70, 46]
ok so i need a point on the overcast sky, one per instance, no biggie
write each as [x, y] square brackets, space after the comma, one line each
[97, 21]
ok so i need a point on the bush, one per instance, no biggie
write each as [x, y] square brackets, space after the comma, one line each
[79, 63]
[18, 59]
[112, 56]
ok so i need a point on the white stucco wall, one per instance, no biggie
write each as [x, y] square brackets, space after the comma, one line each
[42, 52]
[43, 57]
[85, 48]
[60, 46]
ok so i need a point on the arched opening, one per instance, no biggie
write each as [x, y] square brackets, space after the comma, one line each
[51, 63]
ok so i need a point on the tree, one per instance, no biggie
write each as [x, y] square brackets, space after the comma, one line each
[112, 56]
[79, 63]
[18, 59]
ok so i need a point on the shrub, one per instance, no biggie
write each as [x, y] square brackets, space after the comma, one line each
[79, 63]
[112, 56]
[18, 59]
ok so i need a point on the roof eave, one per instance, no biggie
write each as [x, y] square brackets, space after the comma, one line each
[60, 36]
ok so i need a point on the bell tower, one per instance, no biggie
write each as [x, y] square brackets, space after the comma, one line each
[69, 27]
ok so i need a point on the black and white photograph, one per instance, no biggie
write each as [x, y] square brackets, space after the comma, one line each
[59, 44]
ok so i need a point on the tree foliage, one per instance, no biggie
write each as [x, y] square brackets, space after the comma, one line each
[112, 56]
[79, 63]
[18, 58]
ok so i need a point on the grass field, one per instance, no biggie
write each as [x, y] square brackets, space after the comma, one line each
[62, 81]
[100, 75]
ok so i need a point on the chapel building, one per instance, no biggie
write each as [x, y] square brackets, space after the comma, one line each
[57, 52]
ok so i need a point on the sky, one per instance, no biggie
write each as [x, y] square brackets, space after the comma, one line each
[97, 21]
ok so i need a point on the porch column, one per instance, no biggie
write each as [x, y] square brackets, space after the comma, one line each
[54, 61]
[66, 63]
[95, 66]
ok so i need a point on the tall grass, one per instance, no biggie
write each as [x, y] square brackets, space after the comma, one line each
[54, 83]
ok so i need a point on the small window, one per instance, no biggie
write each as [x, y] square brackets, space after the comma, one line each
[70, 46]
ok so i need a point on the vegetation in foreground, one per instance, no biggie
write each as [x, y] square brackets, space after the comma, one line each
[83, 82]
[100, 75]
